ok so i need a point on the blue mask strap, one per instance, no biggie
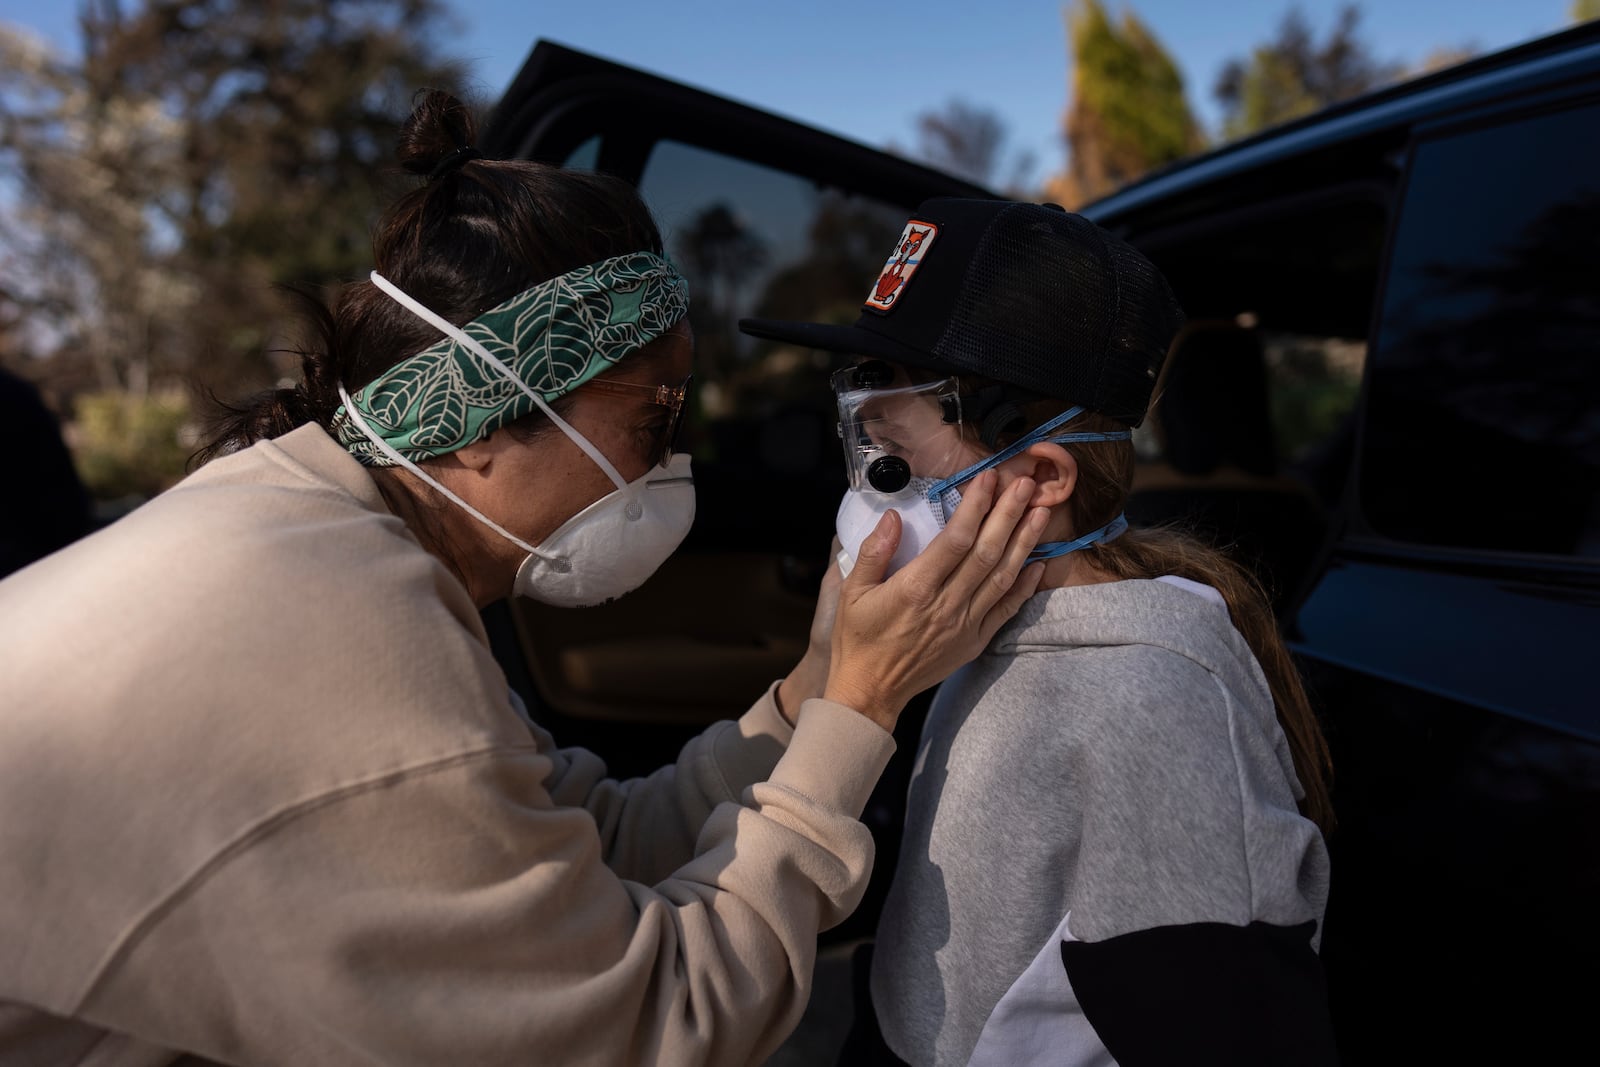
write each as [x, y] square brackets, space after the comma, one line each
[1032, 437]
[1052, 549]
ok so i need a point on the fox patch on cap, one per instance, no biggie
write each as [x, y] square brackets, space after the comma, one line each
[914, 243]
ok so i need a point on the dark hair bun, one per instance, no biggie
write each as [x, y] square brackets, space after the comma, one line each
[439, 125]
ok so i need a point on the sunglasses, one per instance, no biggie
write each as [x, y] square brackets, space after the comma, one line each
[670, 397]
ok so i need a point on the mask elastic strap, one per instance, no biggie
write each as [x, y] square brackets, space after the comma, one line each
[460, 336]
[1032, 437]
[1053, 549]
[389, 450]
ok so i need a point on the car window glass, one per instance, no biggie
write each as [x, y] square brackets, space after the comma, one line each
[584, 156]
[1484, 422]
[1267, 376]
[1313, 383]
[755, 241]
[762, 242]
[1207, 415]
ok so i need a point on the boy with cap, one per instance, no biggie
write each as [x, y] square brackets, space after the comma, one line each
[1114, 837]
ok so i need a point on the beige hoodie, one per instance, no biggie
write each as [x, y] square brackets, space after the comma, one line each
[264, 800]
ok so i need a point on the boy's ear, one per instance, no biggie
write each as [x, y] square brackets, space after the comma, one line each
[1055, 474]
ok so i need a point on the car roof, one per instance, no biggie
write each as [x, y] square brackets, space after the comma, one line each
[556, 81]
[1544, 62]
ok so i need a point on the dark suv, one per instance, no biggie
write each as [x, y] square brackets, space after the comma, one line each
[1387, 402]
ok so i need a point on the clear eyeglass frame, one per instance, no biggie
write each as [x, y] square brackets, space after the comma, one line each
[672, 397]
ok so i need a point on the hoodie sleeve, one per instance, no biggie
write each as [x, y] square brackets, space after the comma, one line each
[455, 913]
[648, 825]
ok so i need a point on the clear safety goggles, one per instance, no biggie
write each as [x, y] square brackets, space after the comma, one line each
[895, 431]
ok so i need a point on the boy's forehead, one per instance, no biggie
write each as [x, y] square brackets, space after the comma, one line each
[892, 404]
[899, 376]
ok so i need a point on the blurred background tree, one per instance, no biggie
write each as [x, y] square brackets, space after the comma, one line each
[963, 140]
[157, 188]
[972, 142]
[1440, 58]
[719, 252]
[1584, 10]
[1128, 113]
[192, 154]
[1294, 74]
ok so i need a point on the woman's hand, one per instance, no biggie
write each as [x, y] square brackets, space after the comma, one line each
[893, 639]
[810, 675]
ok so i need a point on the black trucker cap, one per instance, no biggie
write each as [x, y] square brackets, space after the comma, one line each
[1026, 294]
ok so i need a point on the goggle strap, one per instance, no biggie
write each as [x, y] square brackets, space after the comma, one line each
[1054, 549]
[1004, 454]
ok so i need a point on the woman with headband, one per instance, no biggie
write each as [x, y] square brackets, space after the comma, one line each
[265, 795]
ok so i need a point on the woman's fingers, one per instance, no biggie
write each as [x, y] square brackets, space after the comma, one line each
[976, 558]
[877, 549]
[949, 550]
[1001, 581]
[1005, 537]
[893, 639]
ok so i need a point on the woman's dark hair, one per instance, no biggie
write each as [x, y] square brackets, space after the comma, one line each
[464, 241]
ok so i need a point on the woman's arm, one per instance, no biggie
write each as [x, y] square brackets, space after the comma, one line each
[896, 639]
[455, 913]
[648, 826]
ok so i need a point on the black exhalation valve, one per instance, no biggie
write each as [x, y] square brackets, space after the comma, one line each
[889, 474]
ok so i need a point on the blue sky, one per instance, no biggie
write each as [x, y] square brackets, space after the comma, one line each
[866, 70]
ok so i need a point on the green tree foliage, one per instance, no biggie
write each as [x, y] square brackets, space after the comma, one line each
[1128, 114]
[193, 156]
[130, 447]
[1294, 74]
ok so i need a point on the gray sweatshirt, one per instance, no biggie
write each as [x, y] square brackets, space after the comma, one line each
[1102, 839]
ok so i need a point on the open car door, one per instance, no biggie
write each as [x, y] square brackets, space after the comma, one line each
[766, 217]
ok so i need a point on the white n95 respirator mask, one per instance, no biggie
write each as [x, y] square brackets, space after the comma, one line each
[604, 551]
[899, 438]
[612, 546]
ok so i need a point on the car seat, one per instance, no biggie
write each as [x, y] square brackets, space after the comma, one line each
[1218, 474]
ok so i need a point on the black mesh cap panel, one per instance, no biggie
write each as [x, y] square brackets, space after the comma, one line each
[1054, 304]
[1147, 318]
[1026, 294]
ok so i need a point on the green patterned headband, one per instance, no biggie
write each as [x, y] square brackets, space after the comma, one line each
[552, 338]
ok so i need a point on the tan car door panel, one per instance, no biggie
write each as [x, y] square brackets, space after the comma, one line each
[697, 642]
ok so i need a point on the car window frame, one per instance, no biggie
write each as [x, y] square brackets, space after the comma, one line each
[562, 97]
[1355, 535]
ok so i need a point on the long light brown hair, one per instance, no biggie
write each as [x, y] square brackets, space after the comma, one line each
[1105, 479]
